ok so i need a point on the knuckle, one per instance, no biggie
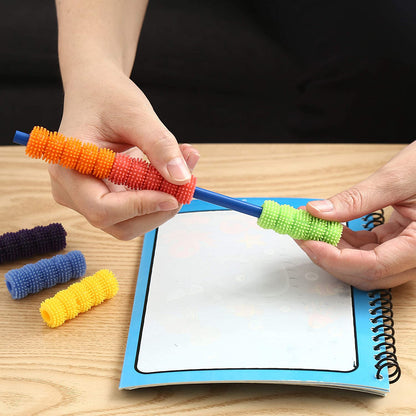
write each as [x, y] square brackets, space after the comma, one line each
[375, 274]
[57, 197]
[97, 218]
[353, 197]
[139, 208]
[122, 234]
[164, 139]
[410, 233]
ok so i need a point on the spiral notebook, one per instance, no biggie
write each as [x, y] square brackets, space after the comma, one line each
[219, 299]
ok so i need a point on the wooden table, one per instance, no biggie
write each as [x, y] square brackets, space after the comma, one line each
[75, 369]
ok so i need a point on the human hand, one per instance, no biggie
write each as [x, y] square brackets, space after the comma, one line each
[386, 256]
[105, 107]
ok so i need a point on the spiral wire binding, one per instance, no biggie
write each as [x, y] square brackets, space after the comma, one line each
[374, 219]
[382, 305]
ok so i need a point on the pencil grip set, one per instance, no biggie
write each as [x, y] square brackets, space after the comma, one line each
[46, 273]
[89, 159]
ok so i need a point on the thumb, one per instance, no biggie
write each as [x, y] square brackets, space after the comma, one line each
[365, 197]
[162, 149]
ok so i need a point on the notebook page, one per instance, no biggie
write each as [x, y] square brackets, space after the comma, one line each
[226, 294]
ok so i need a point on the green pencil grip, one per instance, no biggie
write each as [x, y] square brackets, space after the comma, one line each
[298, 223]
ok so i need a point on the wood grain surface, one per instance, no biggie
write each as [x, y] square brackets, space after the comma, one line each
[75, 369]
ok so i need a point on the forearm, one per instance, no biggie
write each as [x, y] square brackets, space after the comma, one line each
[97, 32]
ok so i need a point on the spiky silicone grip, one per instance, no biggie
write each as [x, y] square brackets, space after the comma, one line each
[89, 159]
[299, 224]
[79, 297]
[32, 242]
[33, 278]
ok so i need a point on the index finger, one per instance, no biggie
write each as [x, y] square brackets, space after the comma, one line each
[365, 268]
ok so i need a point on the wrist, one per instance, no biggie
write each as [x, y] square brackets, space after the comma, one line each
[90, 74]
[98, 31]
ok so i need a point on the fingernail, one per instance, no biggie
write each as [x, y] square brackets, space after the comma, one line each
[193, 160]
[322, 206]
[178, 170]
[168, 205]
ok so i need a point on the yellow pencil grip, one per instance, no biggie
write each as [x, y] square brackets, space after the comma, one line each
[79, 297]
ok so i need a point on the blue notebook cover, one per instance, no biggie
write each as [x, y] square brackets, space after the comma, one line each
[219, 299]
